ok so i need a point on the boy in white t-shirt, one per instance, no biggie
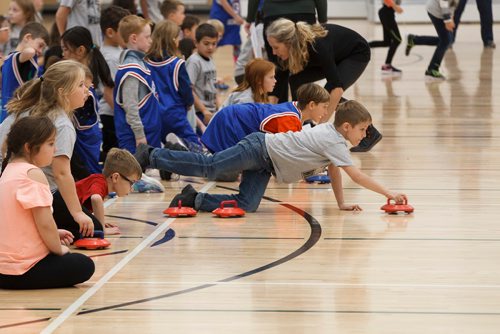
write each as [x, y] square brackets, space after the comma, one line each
[289, 156]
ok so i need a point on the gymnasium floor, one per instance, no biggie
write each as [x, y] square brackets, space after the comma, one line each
[299, 265]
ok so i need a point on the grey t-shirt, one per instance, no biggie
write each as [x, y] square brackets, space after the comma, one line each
[85, 13]
[112, 56]
[65, 139]
[65, 142]
[154, 10]
[203, 75]
[296, 155]
[245, 96]
[442, 9]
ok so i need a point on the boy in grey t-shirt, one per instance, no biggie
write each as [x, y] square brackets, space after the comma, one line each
[85, 13]
[288, 155]
[202, 73]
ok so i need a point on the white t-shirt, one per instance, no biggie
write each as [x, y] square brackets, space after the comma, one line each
[112, 56]
[296, 155]
[85, 13]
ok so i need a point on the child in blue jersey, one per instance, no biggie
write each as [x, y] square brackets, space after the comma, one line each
[231, 124]
[172, 83]
[137, 117]
[76, 44]
[88, 135]
[228, 12]
[289, 156]
[21, 65]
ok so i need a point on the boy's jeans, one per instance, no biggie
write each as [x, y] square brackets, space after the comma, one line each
[249, 155]
[445, 38]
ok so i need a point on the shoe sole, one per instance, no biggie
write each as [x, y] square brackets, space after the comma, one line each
[368, 148]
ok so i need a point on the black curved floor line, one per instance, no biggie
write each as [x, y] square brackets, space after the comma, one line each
[310, 242]
[134, 219]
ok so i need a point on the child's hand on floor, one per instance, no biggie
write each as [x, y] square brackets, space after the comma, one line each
[350, 207]
[111, 229]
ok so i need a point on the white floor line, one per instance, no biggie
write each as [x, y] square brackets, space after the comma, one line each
[56, 322]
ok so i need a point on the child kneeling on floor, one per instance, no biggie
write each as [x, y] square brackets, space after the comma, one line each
[290, 156]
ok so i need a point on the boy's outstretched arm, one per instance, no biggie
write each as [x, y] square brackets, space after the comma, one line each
[338, 190]
[367, 182]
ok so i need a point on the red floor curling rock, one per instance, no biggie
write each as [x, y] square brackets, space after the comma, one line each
[395, 208]
[97, 241]
[180, 211]
[224, 211]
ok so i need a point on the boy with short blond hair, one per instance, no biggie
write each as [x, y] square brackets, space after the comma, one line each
[173, 10]
[121, 170]
[21, 65]
[136, 102]
[290, 156]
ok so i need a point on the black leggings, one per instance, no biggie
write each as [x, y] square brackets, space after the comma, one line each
[392, 36]
[348, 70]
[64, 219]
[53, 271]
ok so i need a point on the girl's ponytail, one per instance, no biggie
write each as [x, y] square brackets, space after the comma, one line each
[5, 161]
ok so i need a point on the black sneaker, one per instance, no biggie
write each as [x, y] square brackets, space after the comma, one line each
[187, 196]
[372, 138]
[410, 43]
[141, 154]
[434, 75]
[490, 45]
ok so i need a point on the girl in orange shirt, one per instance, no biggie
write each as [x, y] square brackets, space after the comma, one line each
[34, 254]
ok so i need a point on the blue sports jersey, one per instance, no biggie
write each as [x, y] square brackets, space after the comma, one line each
[231, 28]
[148, 108]
[175, 95]
[231, 124]
[12, 78]
[88, 134]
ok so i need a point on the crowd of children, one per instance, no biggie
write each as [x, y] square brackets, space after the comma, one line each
[114, 83]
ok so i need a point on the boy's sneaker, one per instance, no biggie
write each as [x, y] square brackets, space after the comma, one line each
[366, 144]
[410, 43]
[434, 75]
[141, 154]
[389, 69]
[187, 196]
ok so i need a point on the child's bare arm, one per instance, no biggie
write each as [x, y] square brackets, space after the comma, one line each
[98, 207]
[48, 230]
[26, 54]
[336, 181]
[229, 9]
[62, 18]
[367, 182]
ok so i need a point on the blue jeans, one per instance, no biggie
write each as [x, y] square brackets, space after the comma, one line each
[249, 155]
[485, 10]
[445, 38]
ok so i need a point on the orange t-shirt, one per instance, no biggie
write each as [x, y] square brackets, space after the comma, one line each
[21, 246]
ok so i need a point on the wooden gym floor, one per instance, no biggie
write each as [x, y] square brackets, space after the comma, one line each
[299, 265]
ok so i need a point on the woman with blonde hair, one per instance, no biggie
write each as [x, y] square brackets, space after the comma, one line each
[308, 53]
[257, 83]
